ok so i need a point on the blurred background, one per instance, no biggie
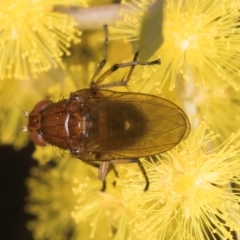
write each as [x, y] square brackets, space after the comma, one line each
[14, 169]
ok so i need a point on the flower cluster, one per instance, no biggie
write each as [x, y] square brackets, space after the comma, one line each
[192, 193]
[194, 187]
[201, 41]
[33, 37]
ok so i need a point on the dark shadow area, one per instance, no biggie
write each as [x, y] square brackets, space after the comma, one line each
[14, 169]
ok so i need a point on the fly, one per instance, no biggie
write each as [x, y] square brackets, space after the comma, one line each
[103, 127]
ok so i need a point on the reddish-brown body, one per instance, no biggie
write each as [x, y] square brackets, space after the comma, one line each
[103, 127]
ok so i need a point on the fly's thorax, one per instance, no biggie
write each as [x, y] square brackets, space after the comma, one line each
[63, 124]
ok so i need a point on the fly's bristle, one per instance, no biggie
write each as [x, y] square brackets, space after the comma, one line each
[26, 114]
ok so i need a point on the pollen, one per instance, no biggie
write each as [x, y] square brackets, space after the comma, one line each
[184, 183]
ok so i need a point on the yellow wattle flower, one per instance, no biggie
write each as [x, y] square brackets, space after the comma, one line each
[65, 197]
[51, 200]
[201, 41]
[190, 195]
[33, 37]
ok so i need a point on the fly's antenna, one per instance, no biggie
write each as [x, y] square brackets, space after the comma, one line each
[26, 114]
[22, 129]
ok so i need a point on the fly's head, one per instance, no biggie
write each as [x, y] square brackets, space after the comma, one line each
[34, 122]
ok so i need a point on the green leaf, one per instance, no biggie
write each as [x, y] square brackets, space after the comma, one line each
[151, 37]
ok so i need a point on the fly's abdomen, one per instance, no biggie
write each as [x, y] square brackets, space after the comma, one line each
[121, 124]
[133, 125]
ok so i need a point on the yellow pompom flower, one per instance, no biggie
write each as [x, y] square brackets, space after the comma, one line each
[67, 198]
[33, 37]
[224, 105]
[201, 41]
[97, 212]
[190, 194]
[51, 200]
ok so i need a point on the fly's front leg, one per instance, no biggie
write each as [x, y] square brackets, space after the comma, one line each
[131, 70]
[134, 160]
[123, 82]
[115, 67]
[97, 84]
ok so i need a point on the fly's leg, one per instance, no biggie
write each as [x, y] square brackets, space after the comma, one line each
[134, 160]
[104, 169]
[97, 165]
[122, 82]
[130, 70]
[104, 60]
[135, 62]
[97, 84]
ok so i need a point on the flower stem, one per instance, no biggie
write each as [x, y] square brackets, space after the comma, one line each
[94, 18]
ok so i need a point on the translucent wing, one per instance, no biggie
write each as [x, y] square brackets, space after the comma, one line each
[133, 125]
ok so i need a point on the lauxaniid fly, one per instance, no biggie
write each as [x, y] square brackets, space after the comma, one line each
[103, 127]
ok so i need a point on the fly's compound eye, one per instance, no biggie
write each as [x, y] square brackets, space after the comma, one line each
[38, 139]
[34, 122]
[40, 106]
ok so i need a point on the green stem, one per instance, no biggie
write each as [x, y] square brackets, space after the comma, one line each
[93, 18]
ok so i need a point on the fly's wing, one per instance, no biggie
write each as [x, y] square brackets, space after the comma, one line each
[133, 125]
